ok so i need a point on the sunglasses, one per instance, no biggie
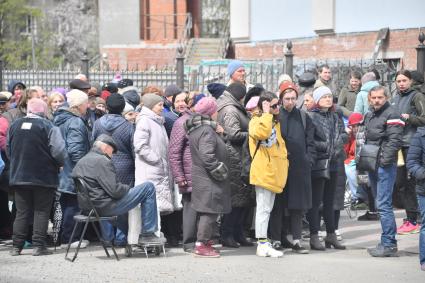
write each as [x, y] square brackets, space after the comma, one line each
[274, 106]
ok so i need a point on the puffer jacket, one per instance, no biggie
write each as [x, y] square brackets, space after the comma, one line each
[269, 165]
[383, 127]
[151, 148]
[415, 160]
[122, 132]
[329, 135]
[234, 119]
[179, 154]
[410, 102]
[362, 104]
[77, 144]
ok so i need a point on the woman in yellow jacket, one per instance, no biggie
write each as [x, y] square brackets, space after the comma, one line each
[269, 166]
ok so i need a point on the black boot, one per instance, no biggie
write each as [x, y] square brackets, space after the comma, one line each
[331, 240]
[243, 241]
[38, 251]
[315, 243]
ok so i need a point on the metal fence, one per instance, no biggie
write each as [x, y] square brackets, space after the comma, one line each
[265, 73]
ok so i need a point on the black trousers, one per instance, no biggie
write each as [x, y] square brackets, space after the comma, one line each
[409, 193]
[189, 222]
[171, 225]
[323, 190]
[5, 215]
[31, 201]
[232, 226]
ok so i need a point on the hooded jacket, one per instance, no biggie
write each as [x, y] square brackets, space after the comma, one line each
[77, 143]
[415, 160]
[122, 133]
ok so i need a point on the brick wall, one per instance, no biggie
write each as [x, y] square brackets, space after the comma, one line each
[140, 58]
[401, 44]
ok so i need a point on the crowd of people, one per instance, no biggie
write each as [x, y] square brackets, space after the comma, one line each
[225, 166]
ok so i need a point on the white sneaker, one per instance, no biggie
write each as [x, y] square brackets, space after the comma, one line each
[265, 249]
[321, 234]
[338, 235]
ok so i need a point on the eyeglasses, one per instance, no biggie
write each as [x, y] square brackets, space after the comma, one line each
[274, 106]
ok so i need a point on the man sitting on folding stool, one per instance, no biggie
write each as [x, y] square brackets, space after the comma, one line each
[111, 198]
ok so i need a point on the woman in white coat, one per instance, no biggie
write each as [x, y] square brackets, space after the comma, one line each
[151, 162]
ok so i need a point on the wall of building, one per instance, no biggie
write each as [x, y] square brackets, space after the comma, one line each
[351, 46]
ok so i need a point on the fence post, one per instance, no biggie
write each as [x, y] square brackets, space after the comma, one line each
[85, 64]
[180, 68]
[421, 53]
[289, 59]
[1, 75]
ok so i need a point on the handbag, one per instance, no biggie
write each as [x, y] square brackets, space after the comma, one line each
[321, 169]
[368, 157]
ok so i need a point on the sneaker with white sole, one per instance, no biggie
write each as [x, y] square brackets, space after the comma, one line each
[265, 249]
[322, 234]
[338, 235]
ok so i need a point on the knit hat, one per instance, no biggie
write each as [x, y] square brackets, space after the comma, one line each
[284, 78]
[355, 119]
[36, 106]
[206, 106]
[151, 99]
[108, 140]
[128, 108]
[237, 90]
[319, 92]
[172, 90]
[76, 97]
[131, 96]
[115, 103]
[61, 90]
[233, 66]
[197, 98]
[287, 85]
[216, 89]
[417, 76]
[252, 103]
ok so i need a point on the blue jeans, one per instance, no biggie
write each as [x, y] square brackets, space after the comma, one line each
[143, 194]
[357, 192]
[70, 208]
[421, 202]
[117, 235]
[382, 183]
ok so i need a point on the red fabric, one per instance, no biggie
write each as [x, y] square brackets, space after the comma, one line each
[105, 94]
[350, 149]
[4, 125]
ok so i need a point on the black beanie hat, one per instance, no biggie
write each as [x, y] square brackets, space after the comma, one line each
[216, 89]
[237, 90]
[115, 103]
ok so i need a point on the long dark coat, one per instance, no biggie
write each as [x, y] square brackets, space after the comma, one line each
[208, 150]
[301, 153]
[234, 118]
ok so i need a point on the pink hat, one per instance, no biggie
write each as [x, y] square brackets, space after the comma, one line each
[36, 106]
[252, 103]
[206, 106]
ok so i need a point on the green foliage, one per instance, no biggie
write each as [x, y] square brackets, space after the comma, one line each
[16, 45]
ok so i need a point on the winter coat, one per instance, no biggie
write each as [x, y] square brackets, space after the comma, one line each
[415, 160]
[362, 104]
[383, 127]
[347, 101]
[410, 102]
[4, 125]
[77, 144]
[36, 161]
[210, 190]
[234, 119]
[299, 140]
[98, 171]
[329, 136]
[122, 132]
[170, 117]
[151, 148]
[269, 165]
[341, 180]
[13, 114]
[179, 153]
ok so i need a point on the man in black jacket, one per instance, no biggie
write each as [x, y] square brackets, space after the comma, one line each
[33, 141]
[384, 128]
[111, 197]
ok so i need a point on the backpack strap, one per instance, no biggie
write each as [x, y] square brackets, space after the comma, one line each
[256, 149]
